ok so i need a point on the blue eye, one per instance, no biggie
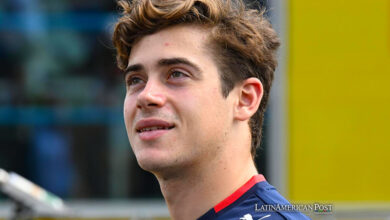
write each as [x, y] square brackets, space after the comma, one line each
[177, 74]
[134, 81]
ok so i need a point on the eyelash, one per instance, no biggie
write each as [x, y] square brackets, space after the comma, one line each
[177, 71]
[130, 80]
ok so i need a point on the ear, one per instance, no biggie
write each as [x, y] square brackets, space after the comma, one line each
[250, 94]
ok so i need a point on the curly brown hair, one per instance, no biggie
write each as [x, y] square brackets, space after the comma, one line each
[242, 41]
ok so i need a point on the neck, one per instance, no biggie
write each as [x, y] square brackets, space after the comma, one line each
[199, 188]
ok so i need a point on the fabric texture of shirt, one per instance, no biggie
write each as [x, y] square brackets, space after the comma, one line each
[253, 201]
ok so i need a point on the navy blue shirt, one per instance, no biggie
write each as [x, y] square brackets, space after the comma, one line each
[250, 202]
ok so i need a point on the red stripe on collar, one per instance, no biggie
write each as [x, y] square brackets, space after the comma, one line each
[239, 192]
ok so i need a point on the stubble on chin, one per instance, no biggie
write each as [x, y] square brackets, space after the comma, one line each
[168, 168]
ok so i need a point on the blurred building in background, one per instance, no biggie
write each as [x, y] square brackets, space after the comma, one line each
[61, 100]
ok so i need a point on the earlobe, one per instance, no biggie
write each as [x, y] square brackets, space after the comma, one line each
[249, 98]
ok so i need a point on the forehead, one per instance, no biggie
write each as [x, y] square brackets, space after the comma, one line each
[177, 41]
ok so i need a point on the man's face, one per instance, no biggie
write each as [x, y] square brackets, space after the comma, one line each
[174, 111]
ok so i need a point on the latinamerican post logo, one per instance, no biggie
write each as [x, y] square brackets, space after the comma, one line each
[317, 208]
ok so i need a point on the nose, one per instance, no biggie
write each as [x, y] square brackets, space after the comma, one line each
[151, 96]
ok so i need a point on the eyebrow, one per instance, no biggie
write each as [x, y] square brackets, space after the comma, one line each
[178, 60]
[164, 62]
[133, 68]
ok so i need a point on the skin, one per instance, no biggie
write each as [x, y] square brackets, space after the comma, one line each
[172, 82]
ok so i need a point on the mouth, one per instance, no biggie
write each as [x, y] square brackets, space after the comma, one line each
[150, 129]
[154, 128]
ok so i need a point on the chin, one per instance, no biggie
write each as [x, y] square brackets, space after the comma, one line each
[150, 166]
[152, 163]
[162, 168]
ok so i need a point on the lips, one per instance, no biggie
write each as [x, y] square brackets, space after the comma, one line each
[153, 129]
[149, 129]
[145, 125]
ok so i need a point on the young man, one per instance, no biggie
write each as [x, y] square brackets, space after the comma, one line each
[198, 75]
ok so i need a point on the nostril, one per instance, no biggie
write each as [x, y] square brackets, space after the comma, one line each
[151, 100]
[152, 96]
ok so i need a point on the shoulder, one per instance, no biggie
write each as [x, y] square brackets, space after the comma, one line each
[257, 203]
[273, 201]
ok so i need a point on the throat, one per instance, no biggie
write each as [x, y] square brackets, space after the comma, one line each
[186, 198]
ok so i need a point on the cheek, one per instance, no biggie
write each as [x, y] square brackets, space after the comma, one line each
[205, 107]
[128, 110]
